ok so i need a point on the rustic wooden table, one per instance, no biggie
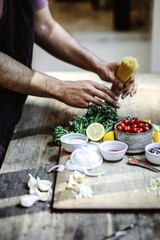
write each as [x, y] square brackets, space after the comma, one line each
[31, 150]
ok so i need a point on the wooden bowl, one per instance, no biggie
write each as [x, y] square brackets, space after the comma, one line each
[136, 141]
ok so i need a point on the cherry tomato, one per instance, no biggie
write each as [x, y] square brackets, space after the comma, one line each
[145, 124]
[133, 130]
[140, 125]
[134, 126]
[129, 128]
[137, 131]
[146, 129]
[125, 129]
[126, 121]
[131, 122]
[138, 120]
[121, 124]
[119, 128]
[140, 129]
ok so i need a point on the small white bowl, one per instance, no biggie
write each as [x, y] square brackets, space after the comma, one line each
[152, 157]
[73, 141]
[113, 151]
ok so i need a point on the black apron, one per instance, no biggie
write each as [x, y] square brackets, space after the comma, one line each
[16, 40]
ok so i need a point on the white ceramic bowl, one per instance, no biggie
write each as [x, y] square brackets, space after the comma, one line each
[113, 151]
[152, 157]
[73, 141]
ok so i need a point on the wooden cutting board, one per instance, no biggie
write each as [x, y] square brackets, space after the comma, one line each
[123, 186]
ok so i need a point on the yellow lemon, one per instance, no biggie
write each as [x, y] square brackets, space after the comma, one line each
[148, 120]
[108, 136]
[157, 137]
[95, 132]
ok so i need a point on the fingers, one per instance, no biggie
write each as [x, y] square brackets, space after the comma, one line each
[104, 93]
[81, 93]
[129, 90]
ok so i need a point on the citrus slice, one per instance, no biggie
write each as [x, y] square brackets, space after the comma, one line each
[95, 132]
[108, 136]
[147, 120]
[157, 137]
[156, 128]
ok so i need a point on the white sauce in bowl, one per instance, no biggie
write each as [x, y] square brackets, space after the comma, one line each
[74, 141]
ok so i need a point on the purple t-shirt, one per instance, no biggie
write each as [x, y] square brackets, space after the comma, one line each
[38, 5]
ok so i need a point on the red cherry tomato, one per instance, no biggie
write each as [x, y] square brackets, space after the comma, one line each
[146, 129]
[133, 130]
[131, 122]
[121, 124]
[129, 128]
[126, 121]
[138, 120]
[134, 126]
[137, 131]
[146, 125]
[140, 125]
[125, 129]
[140, 129]
[119, 128]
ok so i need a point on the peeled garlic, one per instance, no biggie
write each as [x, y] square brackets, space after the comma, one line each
[82, 191]
[71, 182]
[43, 185]
[28, 200]
[43, 195]
[32, 183]
[78, 177]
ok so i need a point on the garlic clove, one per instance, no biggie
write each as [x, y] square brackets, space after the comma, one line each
[78, 177]
[71, 182]
[32, 191]
[32, 181]
[44, 196]
[43, 185]
[28, 200]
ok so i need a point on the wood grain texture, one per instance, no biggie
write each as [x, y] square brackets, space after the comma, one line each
[122, 186]
[31, 150]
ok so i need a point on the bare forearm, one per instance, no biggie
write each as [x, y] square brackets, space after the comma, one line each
[17, 77]
[58, 42]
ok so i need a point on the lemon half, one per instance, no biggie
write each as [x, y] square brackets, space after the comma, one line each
[95, 132]
[108, 136]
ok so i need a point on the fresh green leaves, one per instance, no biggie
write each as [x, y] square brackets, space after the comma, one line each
[79, 124]
[104, 114]
[58, 133]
